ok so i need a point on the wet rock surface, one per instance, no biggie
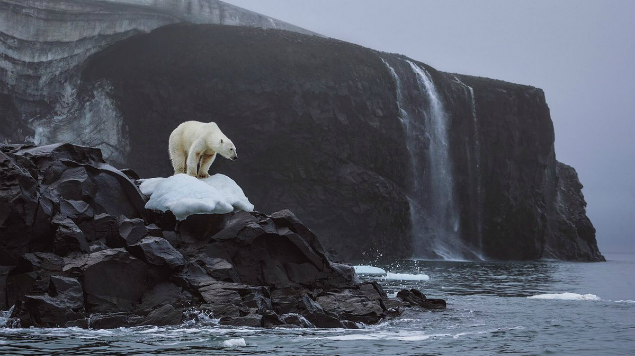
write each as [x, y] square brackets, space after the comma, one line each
[79, 249]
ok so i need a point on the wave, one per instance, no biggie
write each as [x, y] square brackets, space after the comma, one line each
[413, 335]
[565, 296]
[625, 301]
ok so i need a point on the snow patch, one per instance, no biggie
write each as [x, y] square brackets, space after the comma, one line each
[185, 195]
[566, 296]
[235, 343]
[363, 269]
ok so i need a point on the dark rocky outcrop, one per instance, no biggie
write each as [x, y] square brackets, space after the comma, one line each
[79, 249]
[319, 124]
[414, 297]
[572, 234]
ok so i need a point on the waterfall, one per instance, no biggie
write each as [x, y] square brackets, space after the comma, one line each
[433, 212]
[443, 229]
[475, 169]
[412, 131]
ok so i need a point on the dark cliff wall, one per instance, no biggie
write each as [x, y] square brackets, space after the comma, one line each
[318, 126]
[314, 133]
[516, 155]
[571, 235]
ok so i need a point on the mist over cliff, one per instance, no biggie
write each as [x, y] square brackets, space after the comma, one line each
[379, 154]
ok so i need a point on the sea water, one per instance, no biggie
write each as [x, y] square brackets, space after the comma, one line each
[524, 308]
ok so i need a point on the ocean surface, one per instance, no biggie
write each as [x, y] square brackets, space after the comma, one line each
[521, 308]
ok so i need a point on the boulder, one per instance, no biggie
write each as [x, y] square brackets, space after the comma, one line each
[63, 305]
[157, 251]
[68, 237]
[113, 280]
[414, 297]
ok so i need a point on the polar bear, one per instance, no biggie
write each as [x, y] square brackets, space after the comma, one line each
[193, 143]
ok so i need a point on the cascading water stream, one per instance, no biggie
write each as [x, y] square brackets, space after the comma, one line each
[443, 230]
[434, 216]
[412, 130]
[476, 169]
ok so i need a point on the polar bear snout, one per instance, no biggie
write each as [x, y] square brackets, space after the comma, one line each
[233, 155]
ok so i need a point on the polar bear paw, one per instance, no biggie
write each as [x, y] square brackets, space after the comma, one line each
[202, 175]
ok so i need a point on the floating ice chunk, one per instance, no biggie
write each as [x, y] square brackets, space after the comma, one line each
[625, 301]
[185, 195]
[368, 270]
[235, 343]
[566, 296]
[406, 277]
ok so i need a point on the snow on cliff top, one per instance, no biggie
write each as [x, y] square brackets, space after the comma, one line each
[185, 195]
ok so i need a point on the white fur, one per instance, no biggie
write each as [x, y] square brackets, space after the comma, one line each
[194, 142]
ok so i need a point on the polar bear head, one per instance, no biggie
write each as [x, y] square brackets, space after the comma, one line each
[227, 149]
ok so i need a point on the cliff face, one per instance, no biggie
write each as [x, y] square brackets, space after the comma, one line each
[378, 154]
[572, 235]
[44, 44]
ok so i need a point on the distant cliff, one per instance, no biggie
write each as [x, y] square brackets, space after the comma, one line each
[380, 155]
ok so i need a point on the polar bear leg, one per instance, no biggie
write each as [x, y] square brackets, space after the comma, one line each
[177, 155]
[206, 162]
[178, 161]
[194, 156]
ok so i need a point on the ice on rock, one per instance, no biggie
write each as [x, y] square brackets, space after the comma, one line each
[185, 195]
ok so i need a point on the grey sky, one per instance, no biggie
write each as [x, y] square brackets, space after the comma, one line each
[582, 53]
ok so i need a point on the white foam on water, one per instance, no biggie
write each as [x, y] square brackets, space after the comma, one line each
[413, 335]
[235, 343]
[406, 277]
[565, 296]
[625, 301]
[365, 269]
[353, 337]
[5, 315]
[185, 195]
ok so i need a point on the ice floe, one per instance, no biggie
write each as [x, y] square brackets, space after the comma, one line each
[566, 296]
[364, 269]
[235, 343]
[406, 277]
[386, 275]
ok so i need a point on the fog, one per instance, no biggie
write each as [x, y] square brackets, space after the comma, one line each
[581, 53]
